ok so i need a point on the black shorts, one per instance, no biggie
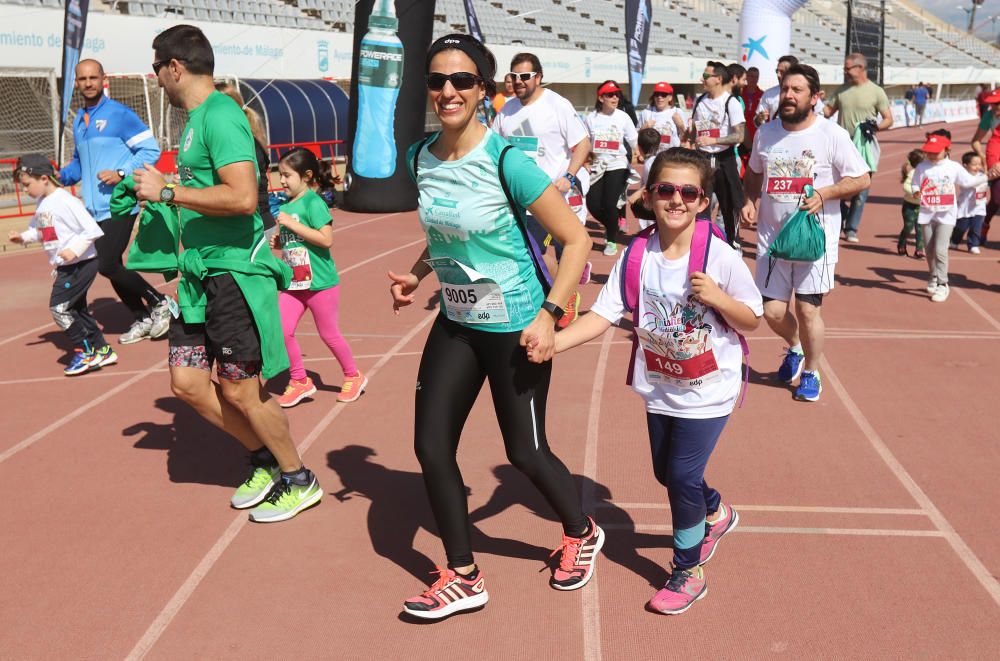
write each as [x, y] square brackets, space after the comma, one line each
[228, 336]
[816, 300]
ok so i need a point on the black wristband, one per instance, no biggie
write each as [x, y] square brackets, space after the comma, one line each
[572, 179]
[554, 309]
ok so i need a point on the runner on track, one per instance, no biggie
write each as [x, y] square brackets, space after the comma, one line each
[493, 304]
[228, 293]
[801, 149]
[664, 115]
[683, 321]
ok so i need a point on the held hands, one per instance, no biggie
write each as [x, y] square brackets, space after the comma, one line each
[706, 290]
[562, 184]
[148, 183]
[538, 339]
[402, 289]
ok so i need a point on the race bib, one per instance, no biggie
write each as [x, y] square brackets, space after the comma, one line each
[980, 195]
[526, 143]
[469, 297]
[297, 257]
[606, 146]
[787, 185]
[681, 357]
[937, 202]
[50, 240]
[709, 133]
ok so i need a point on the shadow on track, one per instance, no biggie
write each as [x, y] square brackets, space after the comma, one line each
[197, 452]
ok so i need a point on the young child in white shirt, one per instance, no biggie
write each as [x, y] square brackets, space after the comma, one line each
[67, 233]
[971, 206]
[938, 180]
[688, 359]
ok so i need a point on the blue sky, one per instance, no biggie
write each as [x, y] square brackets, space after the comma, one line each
[949, 10]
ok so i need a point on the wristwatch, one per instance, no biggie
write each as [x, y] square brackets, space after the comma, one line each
[167, 193]
[120, 173]
[553, 309]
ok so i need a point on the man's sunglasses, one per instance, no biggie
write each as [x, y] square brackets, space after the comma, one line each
[706, 76]
[665, 191]
[159, 64]
[523, 76]
[461, 80]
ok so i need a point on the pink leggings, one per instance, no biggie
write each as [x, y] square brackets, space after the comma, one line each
[324, 306]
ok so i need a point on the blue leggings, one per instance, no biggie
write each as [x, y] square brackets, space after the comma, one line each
[681, 448]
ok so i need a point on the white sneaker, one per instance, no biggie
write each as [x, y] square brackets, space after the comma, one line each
[932, 285]
[940, 294]
[975, 250]
[953, 245]
[610, 249]
[138, 332]
[160, 316]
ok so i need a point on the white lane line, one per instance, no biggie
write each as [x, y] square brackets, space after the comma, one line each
[781, 508]
[975, 306]
[380, 255]
[186, 590]
[781, 530]
[77, 412]
[364, 222]
[965, 554]
[109, 374]
[591, 600]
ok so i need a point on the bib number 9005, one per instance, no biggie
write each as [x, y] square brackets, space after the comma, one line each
[460, 295]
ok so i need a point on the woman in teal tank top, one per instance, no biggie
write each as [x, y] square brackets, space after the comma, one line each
[497, 319]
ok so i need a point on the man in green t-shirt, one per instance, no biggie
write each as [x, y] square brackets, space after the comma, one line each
[858, 102]
[223, 240]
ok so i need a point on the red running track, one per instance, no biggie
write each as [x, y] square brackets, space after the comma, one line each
[868, 519]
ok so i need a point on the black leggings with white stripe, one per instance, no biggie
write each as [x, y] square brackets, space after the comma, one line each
[455, 363]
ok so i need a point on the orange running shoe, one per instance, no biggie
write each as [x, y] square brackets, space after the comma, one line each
[450, 594]
[353, 387]
[295, 392]
[572, 311]
[577, 558]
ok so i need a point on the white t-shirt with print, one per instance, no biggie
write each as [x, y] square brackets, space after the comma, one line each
[770, 99]
[820, 155]
[608, 135]
[61, 221]
[710, 119]
[665, 124]
[695, 367]
[972, 201]
[546, 130]
[938, 185]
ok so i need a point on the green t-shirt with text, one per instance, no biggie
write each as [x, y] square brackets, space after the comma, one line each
[313, 268]
[217, 134]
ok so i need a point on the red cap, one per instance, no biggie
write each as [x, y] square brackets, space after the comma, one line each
[608, 88]
[663, 88]
[992, 96]
[936, 144]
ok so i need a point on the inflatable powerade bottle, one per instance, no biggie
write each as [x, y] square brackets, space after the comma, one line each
[380, 73]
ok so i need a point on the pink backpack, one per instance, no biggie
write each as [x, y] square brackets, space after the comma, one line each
[701, 242]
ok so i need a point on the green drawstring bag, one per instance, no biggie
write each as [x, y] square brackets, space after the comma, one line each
[801, 239]
[864, 146]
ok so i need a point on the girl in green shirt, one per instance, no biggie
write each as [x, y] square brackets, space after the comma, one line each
[305, 237]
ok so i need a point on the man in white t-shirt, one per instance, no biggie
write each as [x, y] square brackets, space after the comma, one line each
[546, 127]
[802, 149]
[767, 109]
[717, 127]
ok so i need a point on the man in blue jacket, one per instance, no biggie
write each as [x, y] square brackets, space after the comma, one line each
[110, 142]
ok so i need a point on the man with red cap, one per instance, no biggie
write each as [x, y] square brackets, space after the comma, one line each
[664, 115]
[937, 180]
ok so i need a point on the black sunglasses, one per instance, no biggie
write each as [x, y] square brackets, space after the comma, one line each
[462, 80]
[159, 64]
[665, 191]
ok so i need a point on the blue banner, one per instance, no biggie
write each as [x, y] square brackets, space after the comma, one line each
[74, 27]
[473, 21]
[638, 17]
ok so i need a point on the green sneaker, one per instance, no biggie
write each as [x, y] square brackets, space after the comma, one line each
[287, 499]
[256, 487]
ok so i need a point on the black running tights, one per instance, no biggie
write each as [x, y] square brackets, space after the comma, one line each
[602, 201]
[455, 363]
[131, 287]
